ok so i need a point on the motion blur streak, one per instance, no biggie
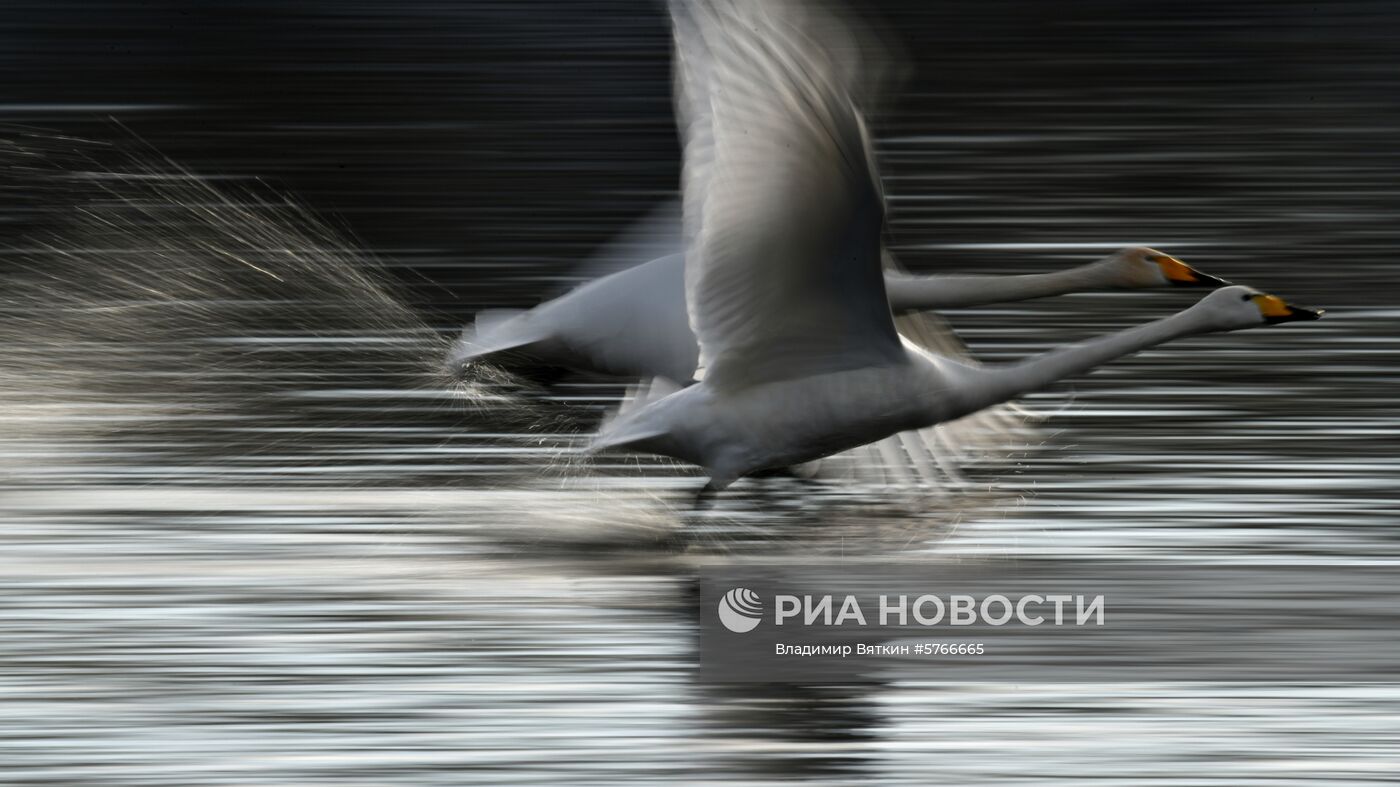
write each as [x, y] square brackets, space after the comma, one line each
[249, 537]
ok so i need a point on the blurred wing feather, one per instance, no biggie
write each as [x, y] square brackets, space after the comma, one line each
[783, 210]
[934, 458]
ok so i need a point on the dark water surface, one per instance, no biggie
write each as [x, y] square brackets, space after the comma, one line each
[251, 538]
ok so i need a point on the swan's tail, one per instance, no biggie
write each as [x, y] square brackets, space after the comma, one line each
[629, 424]
[934, 458]
[496, 333]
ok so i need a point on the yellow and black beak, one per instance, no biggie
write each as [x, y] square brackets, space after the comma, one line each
[1179, 274]
[1275, 310]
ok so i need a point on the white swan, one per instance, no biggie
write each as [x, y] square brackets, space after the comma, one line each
[783, 213]
[633, 324]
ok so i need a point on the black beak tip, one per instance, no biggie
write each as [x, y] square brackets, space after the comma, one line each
[1298, 314]
[1199, 279]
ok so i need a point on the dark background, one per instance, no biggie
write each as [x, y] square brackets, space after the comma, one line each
[483, 147]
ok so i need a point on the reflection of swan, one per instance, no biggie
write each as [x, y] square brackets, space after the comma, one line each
[783, 213]
[633, 323]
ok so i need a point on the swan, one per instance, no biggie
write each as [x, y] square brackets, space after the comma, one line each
[784, 286]
[632, 323]
[745, 423]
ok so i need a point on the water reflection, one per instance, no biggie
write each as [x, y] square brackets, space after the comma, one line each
[792, 731]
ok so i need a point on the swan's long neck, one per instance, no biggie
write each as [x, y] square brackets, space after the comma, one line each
[1000, 383]
[917, 293]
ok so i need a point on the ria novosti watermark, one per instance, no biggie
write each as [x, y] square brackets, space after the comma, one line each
[996, 609]
[741, 609]
[1048, 621]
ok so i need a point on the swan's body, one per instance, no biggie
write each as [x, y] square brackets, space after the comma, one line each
[784, 283]
[787, 422]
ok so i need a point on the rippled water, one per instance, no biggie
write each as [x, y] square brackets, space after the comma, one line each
[252, 538]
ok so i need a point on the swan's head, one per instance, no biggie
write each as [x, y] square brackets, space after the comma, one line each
[1141, 267]
[1237, 307]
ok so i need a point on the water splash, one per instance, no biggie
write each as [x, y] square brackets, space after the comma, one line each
[146, 301]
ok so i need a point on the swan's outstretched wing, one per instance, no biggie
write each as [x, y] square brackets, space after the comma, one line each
[783, 210]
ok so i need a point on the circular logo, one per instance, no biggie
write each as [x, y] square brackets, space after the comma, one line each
[740, 610]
